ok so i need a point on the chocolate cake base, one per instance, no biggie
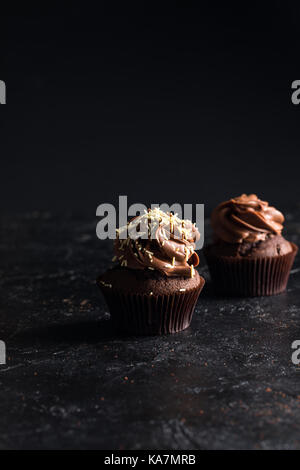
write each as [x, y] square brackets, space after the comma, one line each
[250, 277]
[142, 302]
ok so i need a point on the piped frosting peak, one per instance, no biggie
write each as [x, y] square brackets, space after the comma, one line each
[245, 218]
[160, 241]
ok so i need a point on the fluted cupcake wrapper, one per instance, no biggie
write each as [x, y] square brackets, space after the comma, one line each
[250, 277]
[144, 314]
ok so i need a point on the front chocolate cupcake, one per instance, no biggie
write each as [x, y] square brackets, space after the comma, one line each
[154, 287]
[249, 256]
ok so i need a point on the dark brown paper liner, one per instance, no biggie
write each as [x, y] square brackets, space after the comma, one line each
[250, 277]
[143, 314]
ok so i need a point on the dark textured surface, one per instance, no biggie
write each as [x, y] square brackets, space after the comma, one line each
[226, 382]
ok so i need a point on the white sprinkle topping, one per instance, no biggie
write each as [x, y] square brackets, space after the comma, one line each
[105, 284]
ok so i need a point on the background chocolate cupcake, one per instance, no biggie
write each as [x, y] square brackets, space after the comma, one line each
[249, 256]
[154, 287]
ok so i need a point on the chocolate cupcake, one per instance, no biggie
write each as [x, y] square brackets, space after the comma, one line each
[249, 256]
[154, 287]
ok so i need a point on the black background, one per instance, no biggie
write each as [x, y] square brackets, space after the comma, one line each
[180, 103]
[164, 102]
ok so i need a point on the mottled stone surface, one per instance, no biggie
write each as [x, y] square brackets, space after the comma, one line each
[69, 382]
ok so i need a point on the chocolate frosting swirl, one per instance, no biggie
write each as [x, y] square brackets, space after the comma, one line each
[167, 244]
[245, 218]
